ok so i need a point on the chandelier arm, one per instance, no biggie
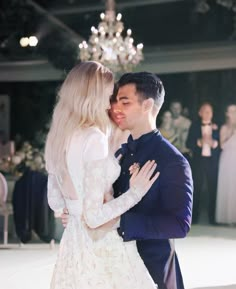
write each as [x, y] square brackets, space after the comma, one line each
[110, 5]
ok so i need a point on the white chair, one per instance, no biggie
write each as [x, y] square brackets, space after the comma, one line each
[5, 208]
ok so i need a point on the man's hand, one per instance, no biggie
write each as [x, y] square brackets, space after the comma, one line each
[65, 217]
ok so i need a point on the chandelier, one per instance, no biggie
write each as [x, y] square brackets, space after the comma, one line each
[107, 44]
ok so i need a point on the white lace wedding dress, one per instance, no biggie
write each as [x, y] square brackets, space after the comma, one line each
[94, 258]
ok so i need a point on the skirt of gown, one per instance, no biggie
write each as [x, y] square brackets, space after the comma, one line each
[107, 263]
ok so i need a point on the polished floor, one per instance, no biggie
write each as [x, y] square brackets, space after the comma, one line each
[207, 257]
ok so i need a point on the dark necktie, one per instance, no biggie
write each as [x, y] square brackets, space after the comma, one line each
[131, 146]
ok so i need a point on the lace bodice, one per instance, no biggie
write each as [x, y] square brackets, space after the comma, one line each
[92, 171]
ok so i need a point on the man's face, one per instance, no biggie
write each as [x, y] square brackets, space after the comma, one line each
[176, 109]
[131, 109]
[206, 113]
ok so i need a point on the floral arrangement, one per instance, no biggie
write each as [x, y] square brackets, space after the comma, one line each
[27, 157]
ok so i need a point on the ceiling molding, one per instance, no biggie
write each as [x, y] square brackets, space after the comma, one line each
[101, 7]
[189, 58]
[33, 70]
[160, 60]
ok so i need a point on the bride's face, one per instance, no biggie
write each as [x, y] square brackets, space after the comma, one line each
[115, 113]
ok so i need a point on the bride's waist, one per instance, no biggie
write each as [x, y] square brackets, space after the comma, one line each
[74, 207]
[100, 237]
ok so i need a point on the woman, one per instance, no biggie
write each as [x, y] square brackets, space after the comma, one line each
[92, 254]
[167, 128]
[226, 193]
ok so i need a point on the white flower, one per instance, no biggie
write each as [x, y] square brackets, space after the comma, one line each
[21, 154]
[16, 159]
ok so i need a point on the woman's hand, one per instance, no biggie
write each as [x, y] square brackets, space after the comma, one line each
[142, 180]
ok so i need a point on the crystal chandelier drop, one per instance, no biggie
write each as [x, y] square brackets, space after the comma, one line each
[107, 45]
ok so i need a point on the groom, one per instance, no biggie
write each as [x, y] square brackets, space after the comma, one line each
[165, 212]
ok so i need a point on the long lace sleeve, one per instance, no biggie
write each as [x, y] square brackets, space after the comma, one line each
[97, 180]
[55, 198]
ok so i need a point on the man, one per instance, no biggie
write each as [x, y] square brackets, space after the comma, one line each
[165, 212]
[203, 140]
[181, 125]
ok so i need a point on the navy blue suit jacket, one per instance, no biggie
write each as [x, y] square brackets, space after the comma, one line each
[166, 210]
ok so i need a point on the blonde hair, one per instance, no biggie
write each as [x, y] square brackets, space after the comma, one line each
[83, 101]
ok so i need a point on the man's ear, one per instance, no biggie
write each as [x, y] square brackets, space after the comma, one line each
[148, 104]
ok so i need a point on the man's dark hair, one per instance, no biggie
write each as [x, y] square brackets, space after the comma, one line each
[147, 84]
[114, 94]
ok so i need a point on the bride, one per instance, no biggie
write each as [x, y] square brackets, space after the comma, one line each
[81, 171]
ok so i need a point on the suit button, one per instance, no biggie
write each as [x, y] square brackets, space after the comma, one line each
[123, 173]
[131, 154]
[122, 233]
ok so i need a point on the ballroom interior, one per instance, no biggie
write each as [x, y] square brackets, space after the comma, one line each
[189, 44]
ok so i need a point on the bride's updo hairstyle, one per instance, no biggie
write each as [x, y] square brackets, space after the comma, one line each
[83, 101]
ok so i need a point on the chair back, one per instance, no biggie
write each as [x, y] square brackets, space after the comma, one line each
[3, 189]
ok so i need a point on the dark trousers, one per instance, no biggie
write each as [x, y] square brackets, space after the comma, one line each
[205, 173]
[160, 258]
